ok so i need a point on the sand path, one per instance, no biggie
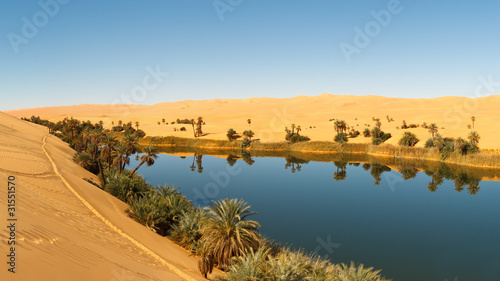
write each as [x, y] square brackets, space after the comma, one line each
[108, 223]
[68, 229]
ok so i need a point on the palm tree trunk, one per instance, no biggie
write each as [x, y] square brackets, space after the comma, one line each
[102, 174]
[136, 168]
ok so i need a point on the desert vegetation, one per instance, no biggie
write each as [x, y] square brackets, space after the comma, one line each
[221, 235]
[293, 135]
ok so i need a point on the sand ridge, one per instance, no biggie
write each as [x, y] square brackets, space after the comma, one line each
[67, 228]
[269, 116]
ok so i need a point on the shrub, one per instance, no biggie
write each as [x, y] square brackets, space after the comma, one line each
[140, 133]
[249, 134]
[376, 132]
[429, 143]
[187, 232]
[183, 129]
[447, 150]
[117, 129]
[298, 138]
[408, 139]
[245, 143]
[125, 188]
[367, 133]
[341, 138]
[354, 134]
[150, 210]
[262, 264]
[382, 138]
[232, 135]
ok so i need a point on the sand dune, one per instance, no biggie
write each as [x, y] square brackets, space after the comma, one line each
[270, 116]
[68, 229]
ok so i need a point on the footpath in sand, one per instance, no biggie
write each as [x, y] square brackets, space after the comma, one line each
[68, 229]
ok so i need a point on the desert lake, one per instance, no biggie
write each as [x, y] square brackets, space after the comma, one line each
[415, 222]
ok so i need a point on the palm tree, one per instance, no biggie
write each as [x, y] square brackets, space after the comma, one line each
[473, 119]
[72, 127]
[231, 134]
[192, 124]
[199, 124]
[376, 132]
[298, 129]
[249, 121]
[83, 159]
[120, 157]
[433, 186]
[343, 126]
[293, 129]
[108, 142]
[120, 123]
[163, 120]
[249, 134]
[474, 137]
[137, 125]
[130, 141]
[433, 128]
[206, 261]
[193, 167]
[228, 232]
[95, 138]
[473, 188]
[338, 126]
[149, 156]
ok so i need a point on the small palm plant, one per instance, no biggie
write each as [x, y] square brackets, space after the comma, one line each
[206, 261]
[474, 137]
[228, 231]
[354, 272]
[433, 129]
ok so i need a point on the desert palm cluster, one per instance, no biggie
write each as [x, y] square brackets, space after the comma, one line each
[222, 235]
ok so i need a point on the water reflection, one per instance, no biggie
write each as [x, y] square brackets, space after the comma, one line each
[341, 173]
[198, 158]
[467, 178]
[295, 163]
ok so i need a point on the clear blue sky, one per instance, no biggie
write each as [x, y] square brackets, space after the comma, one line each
[98, 51]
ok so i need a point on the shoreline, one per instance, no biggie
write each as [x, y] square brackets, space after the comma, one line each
[479, 160]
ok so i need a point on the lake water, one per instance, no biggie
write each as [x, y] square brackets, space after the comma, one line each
[429, 222]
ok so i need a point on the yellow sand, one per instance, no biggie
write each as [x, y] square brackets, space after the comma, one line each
[68, 229]
[269, 116]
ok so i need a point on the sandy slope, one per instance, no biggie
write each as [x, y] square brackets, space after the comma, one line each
[68, 229]
[270, 115]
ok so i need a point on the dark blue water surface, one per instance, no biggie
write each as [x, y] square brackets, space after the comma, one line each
[408, 228]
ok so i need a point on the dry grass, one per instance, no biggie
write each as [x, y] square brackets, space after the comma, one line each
[483, 159]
